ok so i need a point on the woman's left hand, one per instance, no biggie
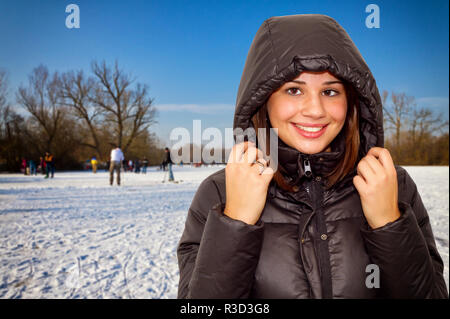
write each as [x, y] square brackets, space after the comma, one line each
[376, 184]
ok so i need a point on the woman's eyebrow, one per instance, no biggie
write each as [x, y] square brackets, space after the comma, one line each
[333, 82]
[325, 83]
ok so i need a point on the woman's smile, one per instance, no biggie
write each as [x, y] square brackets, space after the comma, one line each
[310, 130]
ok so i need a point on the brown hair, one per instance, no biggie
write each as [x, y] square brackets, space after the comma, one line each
[350, 130]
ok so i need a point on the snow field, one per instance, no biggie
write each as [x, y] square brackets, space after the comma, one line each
[75, 236]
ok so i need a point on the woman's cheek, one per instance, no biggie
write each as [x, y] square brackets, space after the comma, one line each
[284, 111]
[278, 116]
[339, 113]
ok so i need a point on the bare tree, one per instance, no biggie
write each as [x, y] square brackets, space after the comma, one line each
[12, 129]
[383, 101]
[3, 89]
[42, 101]
[424, 121]
[4, 107]
[76, 91]
[127, 109]
[424, 125]
[396, 116]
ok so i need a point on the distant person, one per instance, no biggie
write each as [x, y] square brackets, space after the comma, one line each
[94, 163]
[137, 166]
[144, 165]
[130, 165]
[42, 165]
[24, 166]
[32, 167]
[168, 161]
[116, 163]
[49, 164]
[163, 165]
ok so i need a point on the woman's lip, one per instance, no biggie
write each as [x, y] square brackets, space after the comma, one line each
[310, 134]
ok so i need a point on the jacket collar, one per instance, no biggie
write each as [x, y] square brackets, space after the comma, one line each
[294, 164]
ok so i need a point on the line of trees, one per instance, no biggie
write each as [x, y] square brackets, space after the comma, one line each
[414, 135]
[75, 117]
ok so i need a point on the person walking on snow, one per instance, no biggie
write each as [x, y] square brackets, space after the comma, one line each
[49, 164]
[24, 166]
[116, 162]
[137, 166]
[144, 165]
[168, 161]
[32, 166]
[94, 163]
[42, 165]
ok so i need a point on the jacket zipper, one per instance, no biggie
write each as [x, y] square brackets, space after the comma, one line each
[321, 240]
[307, 167]
[308, 173]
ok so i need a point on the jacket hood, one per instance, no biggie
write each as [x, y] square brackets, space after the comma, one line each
[284, 47]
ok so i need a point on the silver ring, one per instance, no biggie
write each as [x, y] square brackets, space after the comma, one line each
[262, 166]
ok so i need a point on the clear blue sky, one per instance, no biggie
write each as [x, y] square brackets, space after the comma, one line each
[191, 53]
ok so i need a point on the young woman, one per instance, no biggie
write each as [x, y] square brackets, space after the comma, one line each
[336, 218]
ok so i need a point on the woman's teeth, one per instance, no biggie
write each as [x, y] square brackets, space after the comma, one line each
[309, 129]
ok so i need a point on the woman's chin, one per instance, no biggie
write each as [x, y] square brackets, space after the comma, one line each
[308, 152]
[309, 149]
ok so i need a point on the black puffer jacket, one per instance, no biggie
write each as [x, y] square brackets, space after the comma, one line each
[305, 246]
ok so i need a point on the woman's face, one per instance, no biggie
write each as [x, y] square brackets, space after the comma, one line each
[309, 111]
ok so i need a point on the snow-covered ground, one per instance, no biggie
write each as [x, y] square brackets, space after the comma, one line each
[75, 236]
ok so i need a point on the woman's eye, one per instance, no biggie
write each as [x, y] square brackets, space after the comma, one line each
[331, 92]
[294, 91]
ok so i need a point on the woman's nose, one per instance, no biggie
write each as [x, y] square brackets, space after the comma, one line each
[312, 107]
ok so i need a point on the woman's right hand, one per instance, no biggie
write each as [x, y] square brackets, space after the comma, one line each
[246, 186]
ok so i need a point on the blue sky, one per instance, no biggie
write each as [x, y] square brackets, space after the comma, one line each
[191, 53]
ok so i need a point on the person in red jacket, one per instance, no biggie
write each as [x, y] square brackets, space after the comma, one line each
[42, 165]
[329, 215]
[24, 166]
